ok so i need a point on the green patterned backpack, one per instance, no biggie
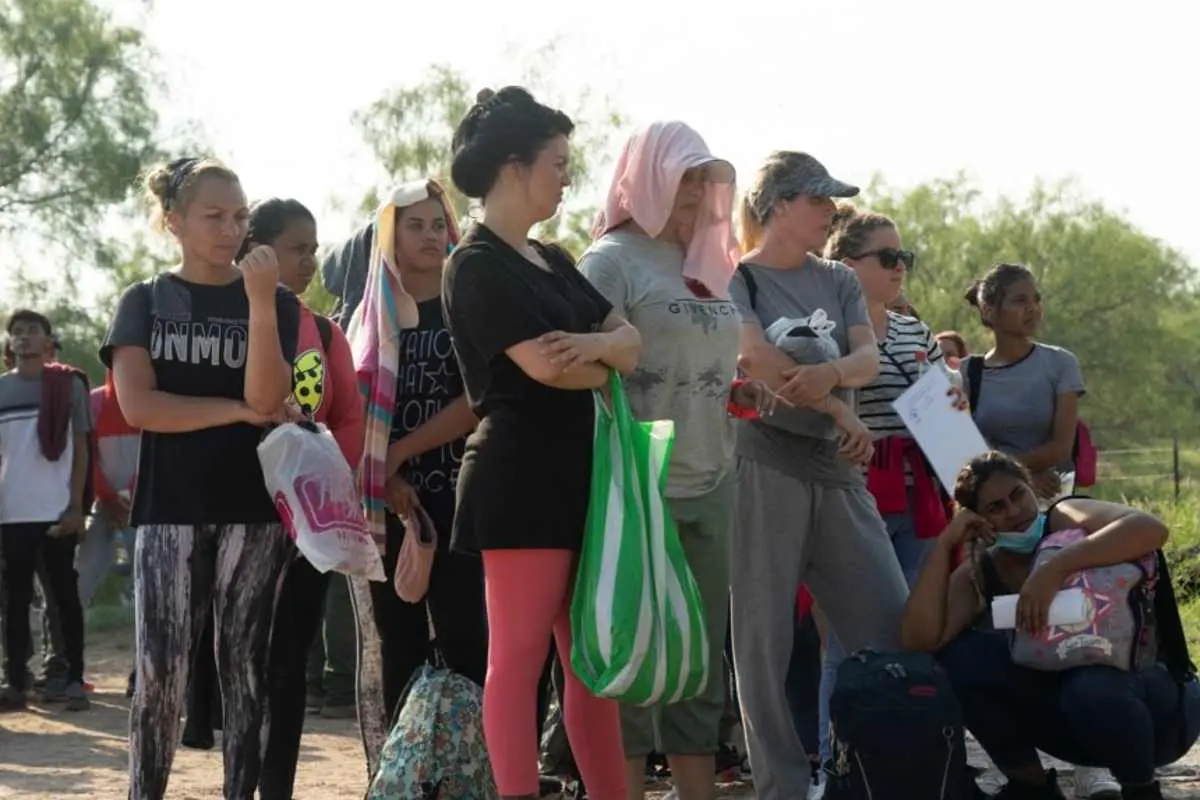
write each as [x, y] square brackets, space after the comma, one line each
[436, 749]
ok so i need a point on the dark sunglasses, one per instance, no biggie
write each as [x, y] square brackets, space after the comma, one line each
[890, 259]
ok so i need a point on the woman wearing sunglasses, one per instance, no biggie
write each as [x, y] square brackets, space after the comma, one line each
[905, 489]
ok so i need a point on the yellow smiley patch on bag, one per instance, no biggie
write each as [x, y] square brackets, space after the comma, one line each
[308, 380]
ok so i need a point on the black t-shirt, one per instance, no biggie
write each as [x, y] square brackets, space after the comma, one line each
[197, 336]
[525, 476]
[427, 382]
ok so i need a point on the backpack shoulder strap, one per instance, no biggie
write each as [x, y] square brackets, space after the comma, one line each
[751, 284]
[974, 380]
[1172, 642]
[325, 329]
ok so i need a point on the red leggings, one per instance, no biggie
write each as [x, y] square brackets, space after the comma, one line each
[528, 600]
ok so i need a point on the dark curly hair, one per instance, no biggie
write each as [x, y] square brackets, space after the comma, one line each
[991, 288]
[979, 470]
[504, 126]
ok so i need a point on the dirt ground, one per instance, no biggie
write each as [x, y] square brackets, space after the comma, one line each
[48, 753]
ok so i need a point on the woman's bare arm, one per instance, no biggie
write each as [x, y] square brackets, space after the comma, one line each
[145, 407]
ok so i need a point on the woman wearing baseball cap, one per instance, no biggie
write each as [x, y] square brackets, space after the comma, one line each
[804, 514]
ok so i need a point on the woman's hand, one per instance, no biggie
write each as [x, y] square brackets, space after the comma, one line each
[758, 396]
[858, 445]
[288, 412]
[260, 274]
[807, 385]
[958, 400]
[1047, 484]
[1037, 593]
[568, 350]
[968, 526]
[400, 496]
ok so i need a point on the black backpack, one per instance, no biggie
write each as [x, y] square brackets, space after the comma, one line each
[896, 731]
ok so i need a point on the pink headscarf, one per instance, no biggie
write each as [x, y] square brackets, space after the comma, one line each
[643, 189]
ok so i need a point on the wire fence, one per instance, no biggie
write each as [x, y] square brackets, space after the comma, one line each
[1166, 469]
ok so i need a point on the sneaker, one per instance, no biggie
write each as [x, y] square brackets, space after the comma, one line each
[339, 712]
[313, 702]
[1020, 791]
[11, 700]
[1093, 783]
[817, 790]
[76, 697]
[54, 689]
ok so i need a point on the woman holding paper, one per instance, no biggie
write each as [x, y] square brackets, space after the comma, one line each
[1098, 715]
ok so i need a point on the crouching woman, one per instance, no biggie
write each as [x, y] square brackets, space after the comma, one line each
[1129, 721]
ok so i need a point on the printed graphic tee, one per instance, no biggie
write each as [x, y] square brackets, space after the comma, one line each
[427, 382]
[689, 353]
[197, 335]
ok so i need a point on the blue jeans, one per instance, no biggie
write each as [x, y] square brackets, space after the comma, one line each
[911, 553]
[1128, 723]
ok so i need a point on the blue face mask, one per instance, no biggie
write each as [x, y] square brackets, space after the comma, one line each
[1026, 541]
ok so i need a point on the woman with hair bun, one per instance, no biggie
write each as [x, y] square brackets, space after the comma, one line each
[1028, 394]
[533, 338]
[201, 358]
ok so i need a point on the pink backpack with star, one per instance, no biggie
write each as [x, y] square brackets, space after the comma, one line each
[1119, 630]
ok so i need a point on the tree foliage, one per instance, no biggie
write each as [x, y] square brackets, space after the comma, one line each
[78, 123]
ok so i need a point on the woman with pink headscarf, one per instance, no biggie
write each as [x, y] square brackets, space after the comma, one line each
[663, 255]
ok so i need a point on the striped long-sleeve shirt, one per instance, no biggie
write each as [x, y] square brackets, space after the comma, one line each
[898, 369]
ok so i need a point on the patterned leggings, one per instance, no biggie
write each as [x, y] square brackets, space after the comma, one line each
[182, 574]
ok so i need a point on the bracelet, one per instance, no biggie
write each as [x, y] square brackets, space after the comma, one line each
[733, 409]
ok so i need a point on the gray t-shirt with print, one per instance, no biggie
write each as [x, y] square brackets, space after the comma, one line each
[689, 353]
[1015, 409]
[788, 442]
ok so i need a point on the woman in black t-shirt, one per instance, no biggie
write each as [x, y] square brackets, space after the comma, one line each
[532, 339]
[201, 361]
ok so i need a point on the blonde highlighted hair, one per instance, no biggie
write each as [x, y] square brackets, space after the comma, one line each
[172, 187]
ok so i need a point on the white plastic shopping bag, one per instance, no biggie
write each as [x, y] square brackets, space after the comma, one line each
[317, 497]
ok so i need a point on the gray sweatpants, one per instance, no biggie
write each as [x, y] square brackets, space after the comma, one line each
[789, 533]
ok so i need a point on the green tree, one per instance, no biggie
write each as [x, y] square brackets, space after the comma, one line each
[409, 130]
[1113, 295]
[78, 121]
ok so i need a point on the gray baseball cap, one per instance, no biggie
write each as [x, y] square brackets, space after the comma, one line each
[789, 174]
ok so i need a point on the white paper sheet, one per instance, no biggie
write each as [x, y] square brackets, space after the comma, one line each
[948, 437]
